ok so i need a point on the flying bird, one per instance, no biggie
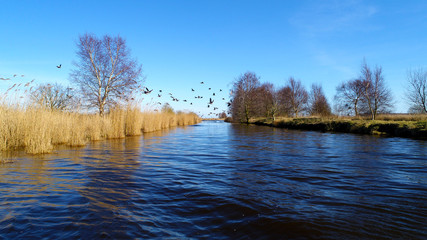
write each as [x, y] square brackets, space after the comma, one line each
[209, 88]
[220, 90]
[4, 78]
[146, 91]
[59, 66]
[211, 101]
[192, 90]
[160, 90]
[213, 94]
[201, 82]
[159, 95]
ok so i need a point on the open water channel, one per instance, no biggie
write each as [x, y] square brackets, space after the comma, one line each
[218, 180]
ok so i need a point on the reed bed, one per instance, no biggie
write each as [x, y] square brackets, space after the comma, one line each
[38, 130]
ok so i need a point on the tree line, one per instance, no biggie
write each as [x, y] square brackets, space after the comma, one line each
[367, 94]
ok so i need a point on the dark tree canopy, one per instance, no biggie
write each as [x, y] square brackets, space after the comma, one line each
[244, 98]
[105, 71]
[318, 102]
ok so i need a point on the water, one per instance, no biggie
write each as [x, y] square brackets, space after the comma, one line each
[220, 181]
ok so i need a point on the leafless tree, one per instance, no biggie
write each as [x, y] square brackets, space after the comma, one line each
[167, 108]
[273, 100]
[244, 97]
[318, 102]
[349, 95]
[268, 101]
[416, 92]
[377, 96]
[105, 71]
[285, 107]
[54, 97]
[294, 96]
[222, 115]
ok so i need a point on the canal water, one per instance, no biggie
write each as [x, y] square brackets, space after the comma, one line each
[217, 180]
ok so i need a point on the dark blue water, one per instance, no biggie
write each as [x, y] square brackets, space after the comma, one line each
[217, 180]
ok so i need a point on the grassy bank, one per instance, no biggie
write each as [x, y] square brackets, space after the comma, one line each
[37, 130]
[395, 126]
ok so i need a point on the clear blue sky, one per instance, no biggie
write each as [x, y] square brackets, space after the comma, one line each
[181, 43]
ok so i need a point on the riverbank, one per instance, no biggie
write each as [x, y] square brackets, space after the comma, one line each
[416, 129]
[38, 130]
[213, 119]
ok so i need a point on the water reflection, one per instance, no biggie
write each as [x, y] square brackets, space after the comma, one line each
[218, 180]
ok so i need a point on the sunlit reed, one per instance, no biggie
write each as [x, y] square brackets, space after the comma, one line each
[38, 130]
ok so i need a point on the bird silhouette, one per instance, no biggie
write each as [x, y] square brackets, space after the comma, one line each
[146, 91]
[220, 90]
[211, 100]
[192, 90]
[159, 95]
[213, 94]
[201, 82]
[59, 66]
[160, 90]
[209, 88]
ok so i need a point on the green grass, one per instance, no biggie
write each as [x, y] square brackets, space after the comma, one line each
[396, 128]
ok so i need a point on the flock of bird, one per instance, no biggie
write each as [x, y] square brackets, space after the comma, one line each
[146, 91]
[209, 104]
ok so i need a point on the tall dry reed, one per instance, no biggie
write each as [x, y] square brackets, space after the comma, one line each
[38, 130]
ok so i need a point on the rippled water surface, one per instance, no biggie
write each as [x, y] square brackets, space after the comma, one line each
[217, 180]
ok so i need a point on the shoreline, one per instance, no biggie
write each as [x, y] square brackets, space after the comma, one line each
[406, 129]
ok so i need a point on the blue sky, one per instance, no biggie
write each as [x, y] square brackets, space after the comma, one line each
[181, 43]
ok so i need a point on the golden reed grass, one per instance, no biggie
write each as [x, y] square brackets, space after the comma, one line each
[38, 130]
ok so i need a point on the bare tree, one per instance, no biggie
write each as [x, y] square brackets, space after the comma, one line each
[285, 106]
[318, 103]
[53, 97]
[416, 92]
[349, 95]
[105, 71]
[222, 115]
[377, 96]
[272, 100]
[295, 96]
[244, 97]
[268, 101]
[167, 108]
